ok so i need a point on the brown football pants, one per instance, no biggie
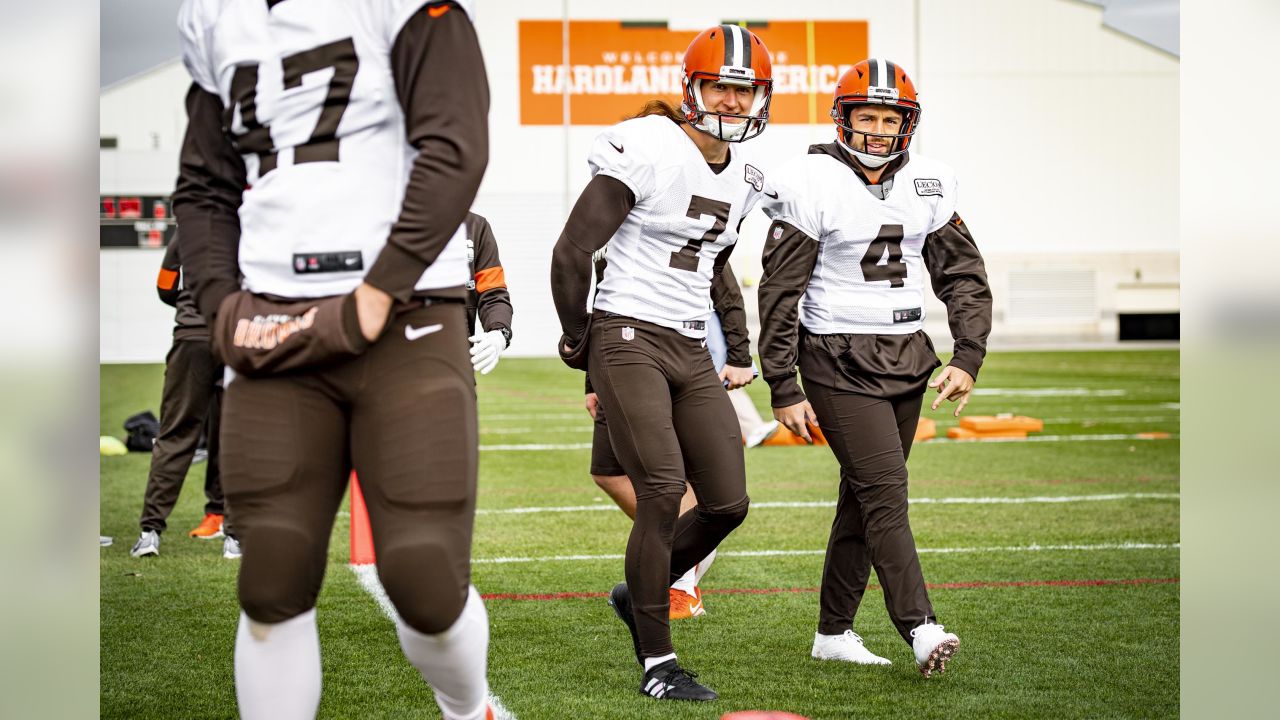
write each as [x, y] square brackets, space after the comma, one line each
[871, 438]
[191, 401]
[670, 422]
[403, 415]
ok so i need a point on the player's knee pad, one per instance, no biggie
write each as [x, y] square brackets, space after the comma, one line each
[427, 581]
[727, 518]
[280, 573]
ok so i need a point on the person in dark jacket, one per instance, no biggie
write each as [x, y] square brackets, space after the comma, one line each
[190, 404]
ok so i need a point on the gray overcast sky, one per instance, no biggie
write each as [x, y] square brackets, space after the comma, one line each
[140, 34]
[136, 35]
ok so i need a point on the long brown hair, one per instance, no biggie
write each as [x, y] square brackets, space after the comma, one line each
[661, 107]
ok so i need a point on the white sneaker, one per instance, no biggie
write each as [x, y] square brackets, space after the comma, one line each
[846, 646]
[934, 647]
[762, 432]
[230, 548]
[148, 544]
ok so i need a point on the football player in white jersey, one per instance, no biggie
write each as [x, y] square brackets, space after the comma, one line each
[323, 229]
[667, 194]
[856, 223]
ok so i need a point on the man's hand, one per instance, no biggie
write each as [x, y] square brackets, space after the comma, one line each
[952, 384]
[592, 404]
[373, 309]
[736, 377]
[797, 419]
[486, 348]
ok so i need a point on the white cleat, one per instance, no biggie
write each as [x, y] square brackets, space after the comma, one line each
[148, 544]
[846, 646]
[230, 548]
[933, 646]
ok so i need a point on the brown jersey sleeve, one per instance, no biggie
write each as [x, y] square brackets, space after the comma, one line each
[169, 281]
[493, 301]
[959, 279]
[789, 257]
[206, 203]
[726, 298]
[597, 215]
[442, 87]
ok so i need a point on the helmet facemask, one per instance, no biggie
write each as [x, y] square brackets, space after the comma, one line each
[842, 110]
[714, 123]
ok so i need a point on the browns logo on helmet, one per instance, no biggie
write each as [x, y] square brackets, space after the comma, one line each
[875, 81]
[729, 55]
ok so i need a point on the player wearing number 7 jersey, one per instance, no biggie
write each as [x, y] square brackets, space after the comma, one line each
[855, 224]
[667, 194]
[331, 153]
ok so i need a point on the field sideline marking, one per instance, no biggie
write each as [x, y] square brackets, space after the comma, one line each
[603, 507]
[790, 553]
[932, 586]
[535, 447]
[368, 577]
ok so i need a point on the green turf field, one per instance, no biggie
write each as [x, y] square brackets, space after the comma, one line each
[1064, 609]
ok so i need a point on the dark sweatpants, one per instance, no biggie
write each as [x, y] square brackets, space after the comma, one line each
[871, 438]
[670, 422]
[191, 402]
[403, 416]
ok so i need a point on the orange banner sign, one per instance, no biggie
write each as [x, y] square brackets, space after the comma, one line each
[615, 67]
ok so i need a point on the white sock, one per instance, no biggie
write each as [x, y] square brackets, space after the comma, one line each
[701, 568]
[454, 662]
[651, 663]
[687, 582]
[278, 668]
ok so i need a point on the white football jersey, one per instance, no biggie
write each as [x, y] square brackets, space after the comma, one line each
[869, 277]
[313, 108]
[660, 260]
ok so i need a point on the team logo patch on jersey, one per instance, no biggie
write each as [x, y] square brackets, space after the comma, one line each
[928, 186]
[754, 178]
[628, 333]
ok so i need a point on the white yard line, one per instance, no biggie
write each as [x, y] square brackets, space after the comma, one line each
[1051, 392]
[368, 577]
[788, 553]
[827, 503]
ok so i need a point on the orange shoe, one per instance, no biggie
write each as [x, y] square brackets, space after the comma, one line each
[209, 529]
[684, 605]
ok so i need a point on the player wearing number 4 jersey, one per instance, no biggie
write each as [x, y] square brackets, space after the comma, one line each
[355, 140]
[667, 194]
[855, 225]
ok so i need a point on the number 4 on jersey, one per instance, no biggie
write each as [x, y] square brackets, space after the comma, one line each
[895, 269]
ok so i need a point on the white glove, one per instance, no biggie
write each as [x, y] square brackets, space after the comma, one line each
[486, 348]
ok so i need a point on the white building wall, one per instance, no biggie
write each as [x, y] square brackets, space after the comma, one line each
[1063, 133]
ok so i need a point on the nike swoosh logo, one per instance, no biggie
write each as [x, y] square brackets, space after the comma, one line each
[615, 147]
[772, 195]
[411, 333]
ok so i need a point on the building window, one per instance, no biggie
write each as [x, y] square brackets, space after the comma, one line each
[107, 143]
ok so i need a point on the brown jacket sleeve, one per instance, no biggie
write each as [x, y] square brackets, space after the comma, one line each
[726, 298]
[599, 212]
[206, 203]
[789, 257]
[169, 281]
[440, 81]
[493, 301]
[959, 280]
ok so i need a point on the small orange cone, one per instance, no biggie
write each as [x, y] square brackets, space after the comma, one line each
[927, 429]
[361, 533]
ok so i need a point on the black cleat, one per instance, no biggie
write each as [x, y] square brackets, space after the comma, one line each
[669, 681]
[620, 601]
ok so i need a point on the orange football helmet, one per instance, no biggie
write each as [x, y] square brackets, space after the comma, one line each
[732, 55]
[875, 81]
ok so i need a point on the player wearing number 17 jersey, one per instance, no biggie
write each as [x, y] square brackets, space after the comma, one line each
[331, 153]
[667, 194]
[855, 225]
